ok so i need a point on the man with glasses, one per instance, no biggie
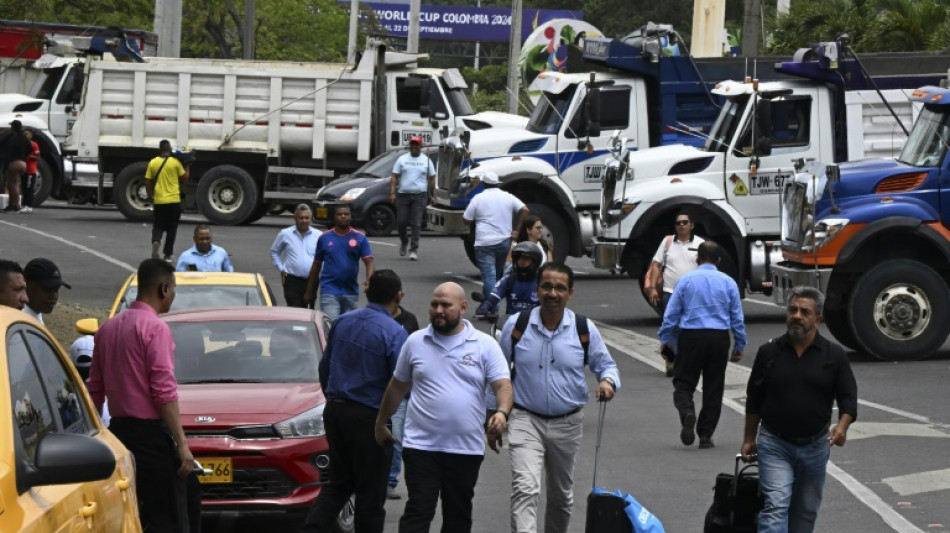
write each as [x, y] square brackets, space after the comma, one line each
[547, 373]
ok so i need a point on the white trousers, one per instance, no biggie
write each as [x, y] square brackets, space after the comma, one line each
[537, 445]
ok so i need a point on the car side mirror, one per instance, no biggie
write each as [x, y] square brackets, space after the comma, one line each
[87, 326]
[63, 458]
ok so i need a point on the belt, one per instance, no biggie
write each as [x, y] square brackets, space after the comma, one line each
[548, 417]
[799, 441]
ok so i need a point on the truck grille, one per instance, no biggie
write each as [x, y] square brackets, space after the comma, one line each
[251, 483]
[450, 166]
[798, 210]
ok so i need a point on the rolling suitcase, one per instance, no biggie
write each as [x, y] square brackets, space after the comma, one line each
[615, 512]
[737, 500]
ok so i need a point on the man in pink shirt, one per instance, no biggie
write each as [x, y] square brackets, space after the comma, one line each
[133, 365]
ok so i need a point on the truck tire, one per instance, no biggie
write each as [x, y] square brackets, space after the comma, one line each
[44, 182]
[258, 214]
[129, 193]
[897, 310]
[840, 327]
[555, 230]
[227, 195]
[379, 220]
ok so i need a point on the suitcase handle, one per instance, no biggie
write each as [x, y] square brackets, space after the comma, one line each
[600, 432]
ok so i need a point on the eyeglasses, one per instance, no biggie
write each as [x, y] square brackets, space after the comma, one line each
[682, 222]
[548, 287]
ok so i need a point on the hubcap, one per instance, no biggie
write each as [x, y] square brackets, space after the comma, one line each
[902, 311]
[225, 195]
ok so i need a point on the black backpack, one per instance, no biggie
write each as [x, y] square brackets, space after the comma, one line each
[521, 324]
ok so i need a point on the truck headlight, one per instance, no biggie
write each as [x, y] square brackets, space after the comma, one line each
[619, 209]
[352, 194]
[308, 424]
[825, 230]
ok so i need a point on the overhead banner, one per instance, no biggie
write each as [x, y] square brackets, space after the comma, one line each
[458, 23]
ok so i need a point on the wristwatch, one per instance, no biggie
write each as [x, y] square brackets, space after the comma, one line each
[502, 411]
[610, 382]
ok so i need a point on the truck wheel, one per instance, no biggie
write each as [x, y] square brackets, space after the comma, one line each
[897, 311]
[258, 214]
[130, 195]
[379, 221]
[840, 327]
[44, 182]
[555, 230]
[227, 195]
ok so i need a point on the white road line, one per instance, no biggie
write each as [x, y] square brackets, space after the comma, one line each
[628, 342]
[920, 482]
[773, 305]
[100, 255]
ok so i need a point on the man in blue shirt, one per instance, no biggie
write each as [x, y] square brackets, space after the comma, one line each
[336, 264]
[412, 182]
[546, 424]
[204, 256]
[705, 305]
[356, 367]
[292, 254]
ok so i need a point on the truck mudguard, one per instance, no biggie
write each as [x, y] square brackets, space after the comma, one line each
[911, 224]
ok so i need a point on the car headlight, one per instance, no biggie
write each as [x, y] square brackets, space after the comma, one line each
[308, 424]
[352, 194]
[825, 230]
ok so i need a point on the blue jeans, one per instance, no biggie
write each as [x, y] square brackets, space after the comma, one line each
[334, 305]
[793, 480]
[491, 263]
[399, 424]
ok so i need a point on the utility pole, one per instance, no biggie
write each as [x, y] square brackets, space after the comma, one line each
[709, 24]
[351, 42]
[167, 25]
[514, 51]
[249, 49]
[751, 22]
[412, 40]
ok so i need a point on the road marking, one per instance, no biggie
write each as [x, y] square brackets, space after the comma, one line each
[100, 255]
[636, 345]
[920, 482]
[773, 305]
[867, 430]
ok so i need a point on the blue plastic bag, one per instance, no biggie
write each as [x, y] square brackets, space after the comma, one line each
[643, 520]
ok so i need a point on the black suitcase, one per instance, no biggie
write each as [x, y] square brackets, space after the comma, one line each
[605, 512]
[737, 500]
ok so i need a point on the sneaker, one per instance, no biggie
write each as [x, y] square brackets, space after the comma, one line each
[706, 443]
[413, 256]
[26, 209]
[155, 245]
[687, 433]
[169, 259]
[403, 248]
[391, 494]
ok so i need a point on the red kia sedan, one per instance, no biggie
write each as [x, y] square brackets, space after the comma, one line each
[252, 407]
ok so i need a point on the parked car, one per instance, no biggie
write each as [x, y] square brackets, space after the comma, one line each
[367, 192]
[252, 408]
[62, 469]
[205, 289]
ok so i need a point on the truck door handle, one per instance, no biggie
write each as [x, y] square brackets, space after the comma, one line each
[88, 510]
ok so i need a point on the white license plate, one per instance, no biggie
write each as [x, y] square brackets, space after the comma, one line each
[767, 183]
[426, 136]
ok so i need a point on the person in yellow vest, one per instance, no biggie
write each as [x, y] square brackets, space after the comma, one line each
[162, 184]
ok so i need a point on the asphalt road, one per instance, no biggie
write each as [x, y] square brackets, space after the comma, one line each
[893, 474]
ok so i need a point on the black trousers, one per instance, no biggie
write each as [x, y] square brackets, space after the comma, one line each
[27, 182]
[357, 465]
[163, 506]
[427, 475]
[294, 288]
[166, 221]
[701, 352]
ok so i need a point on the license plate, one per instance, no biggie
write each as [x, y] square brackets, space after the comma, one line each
[767, 183]
[220, 468]
[408, 134]
[321, 213]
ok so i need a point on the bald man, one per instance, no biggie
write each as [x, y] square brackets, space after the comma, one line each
[449, 366]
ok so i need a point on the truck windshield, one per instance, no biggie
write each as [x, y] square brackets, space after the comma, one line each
[928, 140]
[45, 86]
[726, 124]
[458, 101]
[548, 114]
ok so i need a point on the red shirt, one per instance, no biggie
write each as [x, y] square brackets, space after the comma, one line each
[31, 163]
[133, 364]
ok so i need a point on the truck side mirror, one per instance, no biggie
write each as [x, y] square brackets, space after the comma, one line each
[763, 146]
[593, 112]
[424, 92]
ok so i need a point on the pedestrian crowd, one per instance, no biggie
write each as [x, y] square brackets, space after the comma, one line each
[427, 400]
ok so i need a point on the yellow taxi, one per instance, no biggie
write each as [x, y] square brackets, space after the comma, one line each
[205, 289]
[61, 470]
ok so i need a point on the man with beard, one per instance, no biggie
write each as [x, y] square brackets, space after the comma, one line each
[336, 264]
[43, 281]
[449, 366]
[705, 305]
[520, 287]
[204, 256]
[550, 389]
[794, 383]
[12, 285]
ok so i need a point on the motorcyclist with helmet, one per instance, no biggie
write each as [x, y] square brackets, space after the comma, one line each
[519, 287]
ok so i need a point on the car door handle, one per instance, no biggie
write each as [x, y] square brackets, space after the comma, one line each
[88, 510]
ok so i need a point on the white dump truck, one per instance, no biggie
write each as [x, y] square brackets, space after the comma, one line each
[264, 133]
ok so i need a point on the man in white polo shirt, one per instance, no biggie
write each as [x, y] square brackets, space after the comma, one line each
[449, 366]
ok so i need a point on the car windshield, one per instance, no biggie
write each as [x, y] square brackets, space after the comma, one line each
[194, 296]
[726, 124]
[246, 352]
[928, 140]
[548, 114]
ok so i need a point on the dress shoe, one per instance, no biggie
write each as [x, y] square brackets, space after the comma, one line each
[687, 434]
[705, 443]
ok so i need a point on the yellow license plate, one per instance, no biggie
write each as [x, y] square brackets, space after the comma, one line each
[321, 213]
[220, 468]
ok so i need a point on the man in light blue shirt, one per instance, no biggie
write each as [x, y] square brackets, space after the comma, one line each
[292, 254]
[550, 388]
[705, 305]
[412, 182]
[204, 256]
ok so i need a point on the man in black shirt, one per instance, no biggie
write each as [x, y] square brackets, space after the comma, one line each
[794, 382]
